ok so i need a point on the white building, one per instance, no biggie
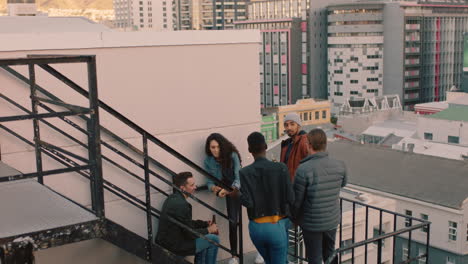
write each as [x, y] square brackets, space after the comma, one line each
[145, 77]
[422, 186]
[145, 15]
[447, 126]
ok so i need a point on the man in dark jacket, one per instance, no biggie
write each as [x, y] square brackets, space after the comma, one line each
[317, 185]
[177, 213]
[266, 191]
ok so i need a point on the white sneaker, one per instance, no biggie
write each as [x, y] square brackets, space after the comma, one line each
[233, 261]
[259, 259]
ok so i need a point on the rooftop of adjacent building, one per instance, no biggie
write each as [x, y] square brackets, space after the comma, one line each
[425, 178]
[437, 149]
[44, 24]
[457, 110]
[400, 128]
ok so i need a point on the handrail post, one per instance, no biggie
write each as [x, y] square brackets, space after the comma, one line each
[241, 238]
[37, 135]
[149, 221]
[94, 142]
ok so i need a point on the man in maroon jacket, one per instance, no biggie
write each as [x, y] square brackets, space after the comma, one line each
[293, 150]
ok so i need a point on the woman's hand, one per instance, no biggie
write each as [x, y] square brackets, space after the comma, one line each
[215, 189]
[223, 193]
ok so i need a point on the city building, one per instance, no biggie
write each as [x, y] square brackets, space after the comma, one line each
[280, 60]
[388, 132]
[435, 107]
[145, 15]
[269, 128]
[447, 126]
[424, 187]
[412, 49]
[285, 50]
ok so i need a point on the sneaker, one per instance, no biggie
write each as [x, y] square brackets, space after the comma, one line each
[233, 261]
[259, 259]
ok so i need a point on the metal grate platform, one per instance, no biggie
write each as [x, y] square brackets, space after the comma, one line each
[27, 206]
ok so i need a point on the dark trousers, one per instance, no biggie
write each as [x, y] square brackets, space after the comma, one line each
[319, 246]
[233, 206]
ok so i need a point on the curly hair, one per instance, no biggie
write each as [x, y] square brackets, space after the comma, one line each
[226, 148]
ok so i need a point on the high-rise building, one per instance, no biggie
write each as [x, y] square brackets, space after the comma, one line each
[411, 49]
[280, 60]
[284, 53]
[156, 15]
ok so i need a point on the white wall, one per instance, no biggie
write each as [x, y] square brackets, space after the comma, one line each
[441, 129]
[180, 93]
[438, 216]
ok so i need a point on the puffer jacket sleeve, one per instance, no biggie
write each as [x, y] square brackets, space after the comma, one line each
[301, 182]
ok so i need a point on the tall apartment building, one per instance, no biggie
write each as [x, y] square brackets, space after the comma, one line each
[145, 15]
[284, 52]
[210, 14]
[411, 49]
[280, 60]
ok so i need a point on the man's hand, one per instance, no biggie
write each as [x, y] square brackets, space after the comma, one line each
[213, 229]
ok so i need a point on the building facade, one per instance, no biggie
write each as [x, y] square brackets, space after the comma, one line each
[447, 126]
[280, 60]
[410, 49]
[145, 15]
[269, 128]
[291, 17]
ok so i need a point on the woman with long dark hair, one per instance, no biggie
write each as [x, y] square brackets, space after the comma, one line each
[224, 162]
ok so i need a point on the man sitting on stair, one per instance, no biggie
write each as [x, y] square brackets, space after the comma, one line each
[176, 238]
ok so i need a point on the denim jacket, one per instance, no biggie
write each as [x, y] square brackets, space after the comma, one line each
[214, 168]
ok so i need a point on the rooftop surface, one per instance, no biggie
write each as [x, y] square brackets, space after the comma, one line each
[32, 207]
[399, 128]
[430, 179]
[453, 113]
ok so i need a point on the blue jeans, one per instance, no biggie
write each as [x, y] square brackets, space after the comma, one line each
[206, 253]
[271, 240]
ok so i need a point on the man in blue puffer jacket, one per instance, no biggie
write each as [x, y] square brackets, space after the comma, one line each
[317, 185]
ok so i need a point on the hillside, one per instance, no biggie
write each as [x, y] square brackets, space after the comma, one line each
[43, 5]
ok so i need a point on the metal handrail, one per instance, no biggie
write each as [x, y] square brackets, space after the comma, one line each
[56, 152]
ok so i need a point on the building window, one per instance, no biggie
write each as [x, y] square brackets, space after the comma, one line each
[404, 252]
[452, 235]
[346, 243]
[467, 232]
[453, 139]
[305, 116]
[450, 260]
[317, 115]
[376, 234]
[354, 70]
[338, 71]
[424, 217]
[354, 81]
[422, 251]
[408, 220]
[324, 114]
[427, 136]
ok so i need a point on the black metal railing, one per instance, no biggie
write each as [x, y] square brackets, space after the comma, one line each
[354, 212]
[91, 167]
